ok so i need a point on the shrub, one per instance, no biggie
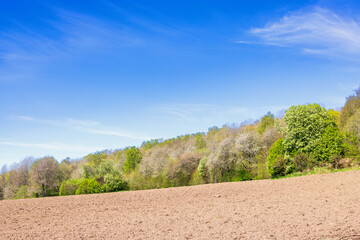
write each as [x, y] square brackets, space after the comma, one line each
[114, 184]
[300, 162]
[280, 167]
[69, 187]
[88, 186]
[336, 162]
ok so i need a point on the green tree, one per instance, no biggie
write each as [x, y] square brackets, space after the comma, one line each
[306, 125]
[132, 159]
[331, 144]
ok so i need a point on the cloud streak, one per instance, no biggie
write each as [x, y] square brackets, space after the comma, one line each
[53, 146]
[315, 30]
[209, 112]
[87, 126]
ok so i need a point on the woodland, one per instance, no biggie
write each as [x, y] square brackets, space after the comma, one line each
[304, 138]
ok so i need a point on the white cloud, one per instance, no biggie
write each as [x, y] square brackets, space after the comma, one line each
[316, 31]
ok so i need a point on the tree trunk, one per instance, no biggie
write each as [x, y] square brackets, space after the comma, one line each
[44, 189]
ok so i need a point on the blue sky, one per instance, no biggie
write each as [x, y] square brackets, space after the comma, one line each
[82, 76]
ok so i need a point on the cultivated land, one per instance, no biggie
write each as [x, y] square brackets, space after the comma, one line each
[309, 207]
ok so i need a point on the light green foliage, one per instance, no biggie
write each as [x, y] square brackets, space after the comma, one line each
[351, 106]
[107, 168]
[266, 121]
[69, 187]
[88, 186]
[114, 184]
[88, 171]
[94, 159]
[196, 179]
[351, 144]
[335, 115]
[200, 141]
[276, 159]
[133, 158]
[22, 192]
[306, 126]
[352, 135]
[151, 143]
[202, 167]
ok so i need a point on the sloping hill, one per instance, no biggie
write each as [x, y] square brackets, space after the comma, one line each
[310, 207]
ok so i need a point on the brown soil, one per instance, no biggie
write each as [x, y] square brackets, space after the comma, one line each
[311, 207]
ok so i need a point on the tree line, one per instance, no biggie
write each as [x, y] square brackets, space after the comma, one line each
[305, 138]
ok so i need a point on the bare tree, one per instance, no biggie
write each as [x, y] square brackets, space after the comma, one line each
[43, 174]
[247, 146]
[222, 160]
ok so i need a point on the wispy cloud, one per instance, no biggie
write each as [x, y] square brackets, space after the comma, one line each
[26, 51]
[209, 112]
[315, 30]
[53, 146]
[87, 126]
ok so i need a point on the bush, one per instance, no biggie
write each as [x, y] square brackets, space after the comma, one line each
[88, 186]
[275, 161]
[69, 187]
[280, 167]
[114, 184]
[300, 162]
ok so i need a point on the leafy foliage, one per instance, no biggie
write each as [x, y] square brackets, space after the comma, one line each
[69, 187]
[114, 184]
[200, 141]
[88, 186]
[133, 158]
[306, 127]
[276, 162]
[266, 121]
[351, 106]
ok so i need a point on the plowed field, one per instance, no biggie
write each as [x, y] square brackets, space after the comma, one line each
[310, 207]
